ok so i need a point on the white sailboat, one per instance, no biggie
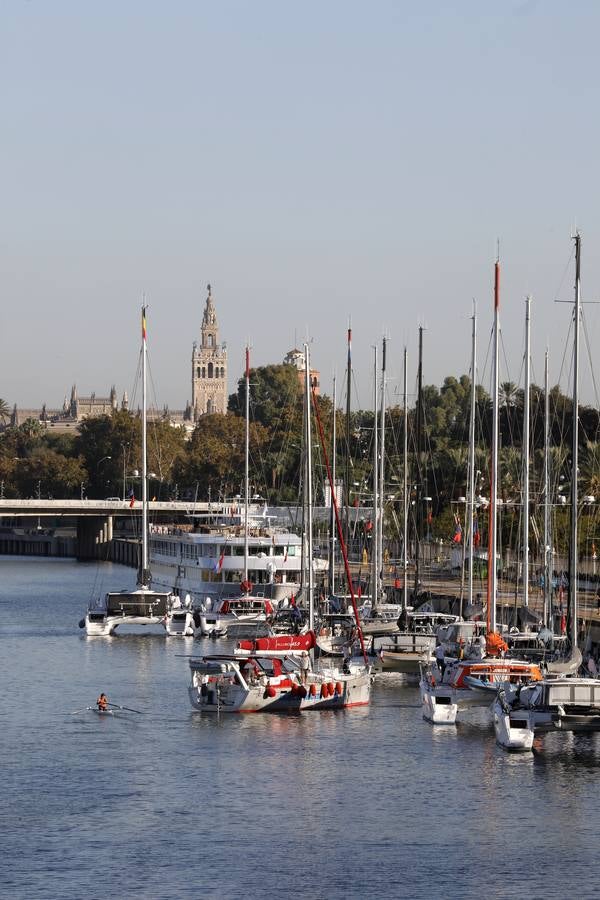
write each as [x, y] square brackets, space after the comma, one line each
[474, 680]
[286, 679]
[563, 701]
[142, 606]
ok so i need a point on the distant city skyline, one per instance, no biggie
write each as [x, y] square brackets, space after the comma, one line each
[315, 164]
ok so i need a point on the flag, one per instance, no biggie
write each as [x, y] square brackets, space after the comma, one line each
[457, 531]
[286, 553]
[476, 533]
[219, 562]
[131, 498]
[143, 323]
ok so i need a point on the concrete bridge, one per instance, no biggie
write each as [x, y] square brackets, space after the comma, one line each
[92, 524]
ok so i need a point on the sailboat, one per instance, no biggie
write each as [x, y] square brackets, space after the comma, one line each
[562, 701]
[281, 676]
[142, 606]
[474, 680]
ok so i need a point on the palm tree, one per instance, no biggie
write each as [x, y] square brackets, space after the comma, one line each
[508, 394]
[4, 410]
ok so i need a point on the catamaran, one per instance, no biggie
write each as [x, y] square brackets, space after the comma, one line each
[142, 606]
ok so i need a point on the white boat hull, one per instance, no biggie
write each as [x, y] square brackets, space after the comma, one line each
[180, 623]
[439, 703]
[107, 625]
[514, 729]
[342, 692]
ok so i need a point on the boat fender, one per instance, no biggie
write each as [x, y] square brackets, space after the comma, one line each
[324, 691]
[313, 690]
[331, 688]
[301, 691]
[270, 690]
[339, 688]
[82, 623]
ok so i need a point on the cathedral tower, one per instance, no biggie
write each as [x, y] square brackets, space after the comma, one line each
[209, 366]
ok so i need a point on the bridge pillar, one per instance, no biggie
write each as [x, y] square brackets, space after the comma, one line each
[94, 534]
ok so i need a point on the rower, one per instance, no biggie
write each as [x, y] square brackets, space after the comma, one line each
[102, 702]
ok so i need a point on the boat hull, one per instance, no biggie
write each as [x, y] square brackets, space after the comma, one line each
[180, 624]
[513, 730]
[439, 703]
[342, 693]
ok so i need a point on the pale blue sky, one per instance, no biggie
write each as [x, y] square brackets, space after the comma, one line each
[313, 161]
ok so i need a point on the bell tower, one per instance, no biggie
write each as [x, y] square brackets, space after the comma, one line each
[209, 366]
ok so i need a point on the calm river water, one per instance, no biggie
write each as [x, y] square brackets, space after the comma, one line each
[365, 803]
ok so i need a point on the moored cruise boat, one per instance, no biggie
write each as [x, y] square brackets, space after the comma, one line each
[273, 682]
[207, 560]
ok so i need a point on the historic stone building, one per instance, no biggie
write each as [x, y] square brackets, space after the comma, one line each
[209, 366]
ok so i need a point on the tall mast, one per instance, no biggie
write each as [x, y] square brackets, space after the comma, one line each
[348, 405]
[526, 416]
[381, 467]
[419, 485]
[246, 465]
[375, 529]
[575, 447]
[308, 489]
[333, 467]
[493, 536]
[471, 490]
[547, 547]
[144, 574]
[405, 486]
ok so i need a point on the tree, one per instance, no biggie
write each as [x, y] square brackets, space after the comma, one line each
[216, 456]
[50, 472]
[4, 410]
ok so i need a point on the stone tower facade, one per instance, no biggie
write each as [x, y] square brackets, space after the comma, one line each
[209, 366]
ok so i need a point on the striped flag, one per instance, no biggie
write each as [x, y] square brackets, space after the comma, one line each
[143, 323]
[219, 562]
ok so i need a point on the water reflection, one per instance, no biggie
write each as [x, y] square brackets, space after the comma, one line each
[372, 801]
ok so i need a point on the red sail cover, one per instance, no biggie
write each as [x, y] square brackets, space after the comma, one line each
[281, 642]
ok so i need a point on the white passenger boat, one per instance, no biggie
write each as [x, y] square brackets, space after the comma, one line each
[207, 560]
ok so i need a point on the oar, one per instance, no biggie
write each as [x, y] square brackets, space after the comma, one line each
[85, 709]
[127, 708]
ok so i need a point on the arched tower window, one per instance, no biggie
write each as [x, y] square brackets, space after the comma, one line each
[204, 371]
[198, 372]
[209, 407]
[210, 370]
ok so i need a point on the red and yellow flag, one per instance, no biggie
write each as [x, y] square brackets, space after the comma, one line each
[143, 323]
